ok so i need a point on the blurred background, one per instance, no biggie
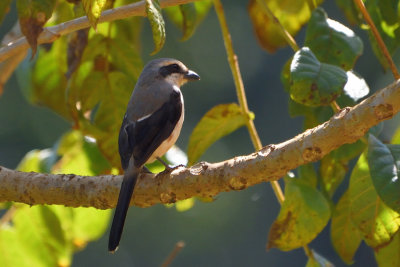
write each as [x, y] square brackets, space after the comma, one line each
[232, 230]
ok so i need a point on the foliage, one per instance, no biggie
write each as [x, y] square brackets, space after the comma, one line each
[88, 76]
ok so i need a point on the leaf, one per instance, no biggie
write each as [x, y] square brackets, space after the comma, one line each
[184, 205]
[356, 87]
[37, 161]
[32, 16]
[332, 42]
[292, 14]
[332, 173]
[386, 21]
[93, 9]
[4, 8]
[384, 164]
[153, 11]
[389, 255]
[351, 11]
[188, 16]
[48, 79]
[76, 45]
[308, 175]
[88, 224]
[314, 83]
[334, 166]
[344, 234]
[376, 222]
[303, 215]
[80, 155]
[221, 120]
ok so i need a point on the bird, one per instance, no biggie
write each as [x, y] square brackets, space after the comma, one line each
[150, 126]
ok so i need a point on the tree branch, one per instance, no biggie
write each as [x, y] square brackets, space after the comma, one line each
[50, 34]
[206, 179]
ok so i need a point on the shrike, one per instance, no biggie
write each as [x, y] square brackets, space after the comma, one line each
[151, 125]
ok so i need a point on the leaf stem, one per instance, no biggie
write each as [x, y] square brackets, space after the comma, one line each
[289, 39]
[234, 65]
[378, 38]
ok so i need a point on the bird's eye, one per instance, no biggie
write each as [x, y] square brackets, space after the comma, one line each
[175, 68]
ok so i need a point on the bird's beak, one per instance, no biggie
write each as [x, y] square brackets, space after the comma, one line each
[192, 76]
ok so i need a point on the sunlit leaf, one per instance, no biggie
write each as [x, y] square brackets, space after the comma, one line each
[332, 173]
[303, 215]
[344, 234]
[218, 122]
[292, 14]
[184, 205]
[48, 79]
[356, 87]
[32, 16]
[153, 11]
[389, 256]
[332, 42]
[314, 83]
[376, 222]
[188, 16]
[89, 224]
[384, 161]
[93, 9]
[80, 156]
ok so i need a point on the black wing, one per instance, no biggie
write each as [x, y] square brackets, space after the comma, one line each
[143, 137]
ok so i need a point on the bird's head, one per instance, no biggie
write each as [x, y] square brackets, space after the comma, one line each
[172, 70]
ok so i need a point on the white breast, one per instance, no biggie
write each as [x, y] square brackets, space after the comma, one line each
[169, 142]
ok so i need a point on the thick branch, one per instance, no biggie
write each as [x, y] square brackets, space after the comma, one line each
[50, 34]
[206, 179]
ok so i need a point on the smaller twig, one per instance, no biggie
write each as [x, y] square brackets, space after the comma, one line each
[378, 38]
[335, 106]
[7, 216]
[8, 66]
[178, 247]
[289, 39]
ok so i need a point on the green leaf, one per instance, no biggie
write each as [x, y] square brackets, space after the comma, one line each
[93, 9]
[4, 8]
[221, 120]
[389, 255]
[332, 173]
[292, 14]
[308, 175]
[350, 10]
[153, 11]
[37, 161]
[188, 16]
[383, 14]
[384, 164]
[376, 222]
[344, 234]
[331, 41]
[303, 215]
[314, 83]
[48, 79]
[356, 87]
[89, 224]
[32, 16]
[184, 205]
[80, 155]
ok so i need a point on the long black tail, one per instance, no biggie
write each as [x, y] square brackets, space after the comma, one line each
[127, 186]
